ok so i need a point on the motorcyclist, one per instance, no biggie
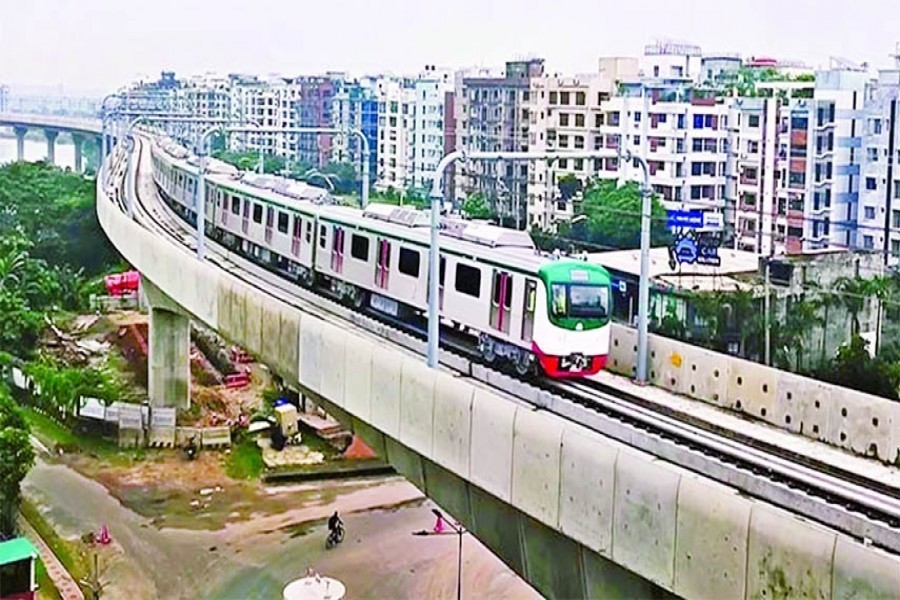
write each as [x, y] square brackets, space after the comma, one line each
[334, 521]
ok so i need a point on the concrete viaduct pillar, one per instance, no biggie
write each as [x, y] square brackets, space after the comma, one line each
[51, 135]
[78, 141]
[169, 366]
[20, 142]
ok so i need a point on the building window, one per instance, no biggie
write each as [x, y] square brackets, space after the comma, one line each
[283, 222]
[553, 99]
[871, 183]
[598, 120]
[409, 262]
[753, 121]
[564, 163]
[468, 280]
[579, 120]
[359, 247]
[868, 242]
[564, 98]
[257, 213]
[563, 119]
[869, 212]
[895, 247]
[579, 164]
[579, 98]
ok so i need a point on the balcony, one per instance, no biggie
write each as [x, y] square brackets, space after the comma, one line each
[799, 138]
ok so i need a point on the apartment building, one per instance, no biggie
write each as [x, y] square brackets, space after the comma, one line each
[433, 91]
[268, 103]
[355, 107]
[879, 193]
[492, 115]
[312, 107]
[396, 119]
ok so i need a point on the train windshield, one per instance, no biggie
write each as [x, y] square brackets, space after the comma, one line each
[580, 301]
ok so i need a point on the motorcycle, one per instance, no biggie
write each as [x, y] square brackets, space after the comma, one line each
[335, 537]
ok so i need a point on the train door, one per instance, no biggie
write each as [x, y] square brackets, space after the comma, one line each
[295, 236]
[270, 222]
[245, 218]
[442, 269]
[383, 264]
[225, 209]
[501, 300]
[529, 304]
[337, 250]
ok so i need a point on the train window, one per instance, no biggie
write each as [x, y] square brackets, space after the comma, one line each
[558, 294]
[409, 262]
[308, 231]
[282, 222]
[468, 280]
[323, 233]
[359, 247]
[257, 213]
[235, 205]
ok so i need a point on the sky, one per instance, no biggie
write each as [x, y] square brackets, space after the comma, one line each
[99, 45]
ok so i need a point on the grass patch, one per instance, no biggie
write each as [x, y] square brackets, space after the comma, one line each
[72, 555]
[46, 589]
[53, 435]
[245, 460]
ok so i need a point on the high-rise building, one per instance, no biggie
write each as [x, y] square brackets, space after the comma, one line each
[267, 104]
[433, 91]
[492, 115]
[355, 107]
[313, 106]
[396, 118]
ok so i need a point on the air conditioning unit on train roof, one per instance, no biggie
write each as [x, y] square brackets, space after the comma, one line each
[496, 237]
[401, 215]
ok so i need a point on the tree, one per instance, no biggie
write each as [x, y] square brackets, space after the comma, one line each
[476, 207]
[613, 217]
[16, 459]
[569, 186]
[855, 368]
[345, 180]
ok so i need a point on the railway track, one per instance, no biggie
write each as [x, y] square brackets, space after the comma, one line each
[859, 506]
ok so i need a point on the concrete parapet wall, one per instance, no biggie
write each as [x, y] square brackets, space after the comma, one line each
[575, 513]
[860, 423]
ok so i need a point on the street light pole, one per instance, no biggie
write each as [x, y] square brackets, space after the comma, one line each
[644, 284]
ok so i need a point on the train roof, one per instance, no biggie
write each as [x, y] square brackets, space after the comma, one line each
[507, 247]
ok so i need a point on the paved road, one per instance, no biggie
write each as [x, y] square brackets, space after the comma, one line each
[380, 558]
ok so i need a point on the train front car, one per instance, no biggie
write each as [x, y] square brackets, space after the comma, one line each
[572, 330]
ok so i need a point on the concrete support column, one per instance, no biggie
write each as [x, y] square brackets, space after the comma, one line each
[20, 142]
[169, 368]
[51, 135]
[78, 140]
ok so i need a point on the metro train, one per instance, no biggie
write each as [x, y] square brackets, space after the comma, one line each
[536, 313]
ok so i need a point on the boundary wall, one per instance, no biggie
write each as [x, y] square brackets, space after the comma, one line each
[860, 423]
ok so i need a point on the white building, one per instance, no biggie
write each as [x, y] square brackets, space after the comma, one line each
[396, 120]
[433, 91]
[671, 60]
[267, 104]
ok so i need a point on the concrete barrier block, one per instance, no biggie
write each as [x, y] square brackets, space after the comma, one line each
[492, 443]
[334, 341]
[385, 393]
[587, 486]
[452, 423]
[864, 572]
[787, 557]
[311, 364]
[752, 389]
[358, 377]
[788, 409]
[711, 547]
[622, 350]
[417, 383]
[811, 400]
[862, 423]
[253, 324]
[537, 446]
[184, 435]
[706, 374]
[644, 523]
[666, 363]
[215, 436]
[161, 437]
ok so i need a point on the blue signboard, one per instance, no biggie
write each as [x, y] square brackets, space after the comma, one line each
[686, 251]
[685, 219]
